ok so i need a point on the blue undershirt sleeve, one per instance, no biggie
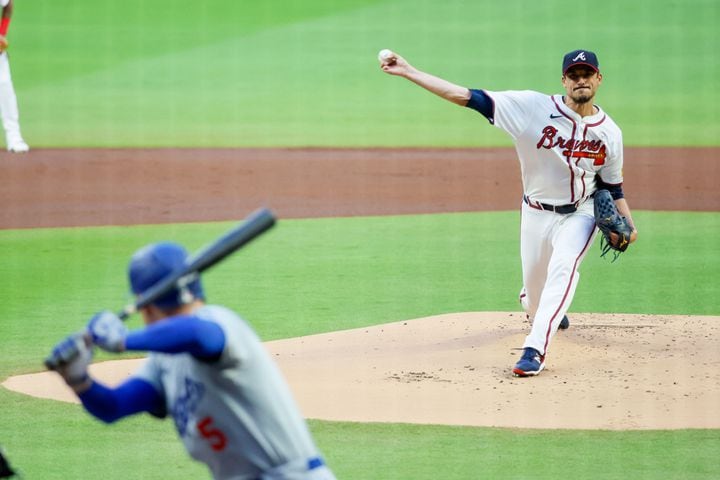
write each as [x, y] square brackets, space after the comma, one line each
[202, 339]
[133, 396]
[616, 190]
[481, 102]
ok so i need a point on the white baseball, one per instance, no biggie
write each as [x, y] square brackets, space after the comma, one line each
[385, 55]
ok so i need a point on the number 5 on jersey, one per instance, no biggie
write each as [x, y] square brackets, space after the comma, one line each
[215, 436]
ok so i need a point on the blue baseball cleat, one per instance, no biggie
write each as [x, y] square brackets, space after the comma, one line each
[564, 323]
[531, 363]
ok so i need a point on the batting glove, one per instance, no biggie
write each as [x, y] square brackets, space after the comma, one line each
[108, 331]
[70, 358]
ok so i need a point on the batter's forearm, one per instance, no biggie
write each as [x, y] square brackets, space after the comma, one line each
[110, 404]
[442, 88]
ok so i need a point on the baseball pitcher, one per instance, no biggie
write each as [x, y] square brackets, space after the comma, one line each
[568, 148]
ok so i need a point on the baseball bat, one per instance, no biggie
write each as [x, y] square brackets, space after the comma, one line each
[253, 226]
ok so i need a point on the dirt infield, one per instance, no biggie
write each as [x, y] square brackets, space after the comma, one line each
[614, 372]
[606, 371]
[58, 188]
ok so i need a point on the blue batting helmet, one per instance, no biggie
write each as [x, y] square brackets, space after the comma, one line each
[156, 261]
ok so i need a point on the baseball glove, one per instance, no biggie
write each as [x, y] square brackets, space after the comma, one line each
[615, 229]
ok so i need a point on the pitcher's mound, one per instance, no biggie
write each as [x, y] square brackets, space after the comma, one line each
[606, 372]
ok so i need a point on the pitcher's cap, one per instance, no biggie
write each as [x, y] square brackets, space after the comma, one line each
[580, 57]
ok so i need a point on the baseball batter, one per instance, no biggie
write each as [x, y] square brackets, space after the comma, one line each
[568, 148]
[207, 370]
[8, 100]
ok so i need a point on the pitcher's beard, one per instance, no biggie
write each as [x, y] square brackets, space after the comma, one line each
[581, 98]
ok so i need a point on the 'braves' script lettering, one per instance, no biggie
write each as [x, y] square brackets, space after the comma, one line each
[572, 148]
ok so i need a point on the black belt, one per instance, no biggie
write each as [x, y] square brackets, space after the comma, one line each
[562, 209]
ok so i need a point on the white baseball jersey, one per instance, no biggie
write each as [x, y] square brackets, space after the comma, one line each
[237, 415]
[560, 154]
[559, 151]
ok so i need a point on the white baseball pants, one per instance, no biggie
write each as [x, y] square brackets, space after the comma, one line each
[8, 103]
[552, 246]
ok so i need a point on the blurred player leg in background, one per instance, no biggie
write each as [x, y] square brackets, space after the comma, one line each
[9, 109]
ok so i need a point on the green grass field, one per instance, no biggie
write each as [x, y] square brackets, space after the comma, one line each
[290, 73]
[333, 274]
[287, 73]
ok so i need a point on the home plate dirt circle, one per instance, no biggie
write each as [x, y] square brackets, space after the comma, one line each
[606, 372]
